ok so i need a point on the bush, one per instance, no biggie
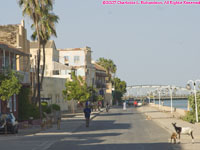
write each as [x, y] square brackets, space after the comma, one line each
[34, 112]
[189, 117]
[48, 108]
[45, 107]
[26, 109]
[55, 107]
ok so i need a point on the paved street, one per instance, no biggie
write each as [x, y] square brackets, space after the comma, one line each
[116, 129]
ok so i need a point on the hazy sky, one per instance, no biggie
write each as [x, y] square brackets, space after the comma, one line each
[157, 44]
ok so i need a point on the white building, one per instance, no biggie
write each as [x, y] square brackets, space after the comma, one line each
[79, 59]
[52, 67]
[55, 74]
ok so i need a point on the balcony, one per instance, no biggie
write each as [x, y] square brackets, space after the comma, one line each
[100, 85]
[24, 77]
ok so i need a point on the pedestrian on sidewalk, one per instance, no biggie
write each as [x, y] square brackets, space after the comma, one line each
[124, 105]
[99, 105]
[87, 112]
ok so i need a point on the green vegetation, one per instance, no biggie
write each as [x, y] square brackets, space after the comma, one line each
[45, 107]
[55, 107]
[100, 98]
[40, 12]
[109, 65]
[9, 85]
[26, 109]
[49, 108]
[191, 116]
[76, 89]
[120, 89]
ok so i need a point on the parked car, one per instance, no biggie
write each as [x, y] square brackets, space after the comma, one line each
[10, 121]
[139, 104]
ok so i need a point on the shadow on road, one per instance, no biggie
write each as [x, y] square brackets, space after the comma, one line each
[95, 144]
[100, 125]
[115, 114]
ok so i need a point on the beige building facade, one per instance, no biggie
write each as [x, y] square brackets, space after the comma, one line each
[16, 37]
[103, 88]
[80, 60]
[55, 74]
[14, 55]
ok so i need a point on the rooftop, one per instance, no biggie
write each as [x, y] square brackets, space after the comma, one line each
[11, 48]
[34, 44]
[75, 49]
[99, 67]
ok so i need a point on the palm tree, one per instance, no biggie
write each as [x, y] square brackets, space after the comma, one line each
[38, 11]
[109, 65]
[47, 29]
[32, 9]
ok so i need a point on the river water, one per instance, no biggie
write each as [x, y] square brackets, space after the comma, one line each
[182, 103]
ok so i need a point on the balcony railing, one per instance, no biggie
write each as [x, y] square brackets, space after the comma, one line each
[24, 77]
[100, 85]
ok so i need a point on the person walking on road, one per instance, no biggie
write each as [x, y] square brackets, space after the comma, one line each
[87, 112]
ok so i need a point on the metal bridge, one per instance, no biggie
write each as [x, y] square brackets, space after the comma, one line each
[156, 92]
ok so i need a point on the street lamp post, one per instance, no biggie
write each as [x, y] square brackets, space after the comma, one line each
[159, 97]
[159, 92]
[149, 97]
[170, 89]
[194, 83]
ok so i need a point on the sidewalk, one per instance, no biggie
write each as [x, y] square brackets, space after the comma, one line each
[165, 120]
[68, 124]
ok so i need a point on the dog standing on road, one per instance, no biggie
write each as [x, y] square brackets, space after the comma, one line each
[173, 137]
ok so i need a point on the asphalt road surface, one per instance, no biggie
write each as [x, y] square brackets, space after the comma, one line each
[115, 130]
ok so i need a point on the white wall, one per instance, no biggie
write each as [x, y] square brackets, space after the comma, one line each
[52, 88]
[71, 55]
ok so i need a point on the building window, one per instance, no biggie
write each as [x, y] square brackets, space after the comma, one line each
[66, 60]
[15, 103]
[76, 59]
[55, 72]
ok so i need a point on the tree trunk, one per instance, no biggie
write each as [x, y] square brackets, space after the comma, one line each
[34, 78]
[72, 104]
[38, 66]
[44, 63]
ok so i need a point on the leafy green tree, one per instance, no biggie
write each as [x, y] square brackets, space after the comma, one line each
[120, 89]
[9, 85]
[76, 89]
[191, 115]
[109, 65]
[100, 98]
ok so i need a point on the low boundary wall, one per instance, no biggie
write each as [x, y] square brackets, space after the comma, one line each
[177, 112]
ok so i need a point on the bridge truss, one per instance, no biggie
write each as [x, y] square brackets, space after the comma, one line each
[146, 91]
